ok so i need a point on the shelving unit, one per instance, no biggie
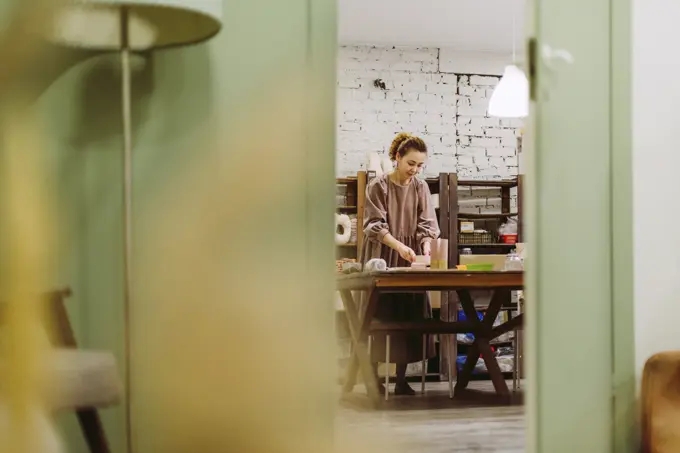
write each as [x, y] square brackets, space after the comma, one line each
[354, 200]
[490, 222]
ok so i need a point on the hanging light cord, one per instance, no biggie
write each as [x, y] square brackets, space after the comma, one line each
[514, 39]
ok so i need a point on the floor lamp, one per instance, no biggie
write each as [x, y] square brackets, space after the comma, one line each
[126, 27]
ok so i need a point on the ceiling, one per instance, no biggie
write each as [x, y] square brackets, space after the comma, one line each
[470, 25]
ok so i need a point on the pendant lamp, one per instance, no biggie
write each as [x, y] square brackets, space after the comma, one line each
[510, 99]
[126, 27]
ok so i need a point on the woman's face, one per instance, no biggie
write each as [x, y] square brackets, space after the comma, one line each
[411, 163]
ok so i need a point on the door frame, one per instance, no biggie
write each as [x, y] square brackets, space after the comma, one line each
[624, 387]
[553, 404]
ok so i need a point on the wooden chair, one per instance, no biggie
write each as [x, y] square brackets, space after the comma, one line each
[74, 367]
[661, 403]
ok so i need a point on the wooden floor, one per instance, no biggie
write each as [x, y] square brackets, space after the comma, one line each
[435, 424]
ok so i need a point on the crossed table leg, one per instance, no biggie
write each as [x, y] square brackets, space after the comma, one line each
[483, 330]
[359, 327]
[484, 333]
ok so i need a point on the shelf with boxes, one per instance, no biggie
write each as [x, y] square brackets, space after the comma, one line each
[480, 230]
[474, 238]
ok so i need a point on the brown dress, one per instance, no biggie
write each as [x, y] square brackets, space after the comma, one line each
[406, 213]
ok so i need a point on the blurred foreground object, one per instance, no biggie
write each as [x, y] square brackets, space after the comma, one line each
[137, 25]
[232, 323]
[79, 380]
[129, 26]
[74, 380]
[27, 248]
[661, 403]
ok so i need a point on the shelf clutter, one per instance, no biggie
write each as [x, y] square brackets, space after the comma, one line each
[350, 196]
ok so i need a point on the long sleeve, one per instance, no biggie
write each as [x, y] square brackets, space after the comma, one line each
[428, 228]
[375, 211]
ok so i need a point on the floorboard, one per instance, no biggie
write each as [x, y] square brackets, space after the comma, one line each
[432, 423]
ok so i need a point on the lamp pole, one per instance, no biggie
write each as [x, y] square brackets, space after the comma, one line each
[126, 110]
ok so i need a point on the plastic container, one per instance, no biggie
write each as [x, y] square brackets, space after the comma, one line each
[422, 259]
[486, 267]
[509, 239]
[439, 254]
[513, 262]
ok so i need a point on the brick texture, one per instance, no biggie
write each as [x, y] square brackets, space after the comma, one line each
[449, 111]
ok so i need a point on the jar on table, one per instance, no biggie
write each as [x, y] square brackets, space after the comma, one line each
[513, 262]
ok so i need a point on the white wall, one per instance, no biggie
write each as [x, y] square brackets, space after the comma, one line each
[440, 95]
[656, 160]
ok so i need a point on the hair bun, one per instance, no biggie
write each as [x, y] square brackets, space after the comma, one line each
[397, 142]
[404, 142]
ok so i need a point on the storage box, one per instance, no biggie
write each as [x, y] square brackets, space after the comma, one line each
[498, 261]
[467, 227]
[476, 238]
[509, 239]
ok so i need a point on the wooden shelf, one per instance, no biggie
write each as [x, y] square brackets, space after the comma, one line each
[506, 183]
[354, 199]
[491, 343]
[463, 215]
[491, 245]
[449, 224]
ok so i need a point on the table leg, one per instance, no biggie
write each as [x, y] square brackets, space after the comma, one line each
[483, 335]
[468, 367]
[492, 367]
[359, 329]
[423, 371]
[451, 361]
[364, 325]
[495, 305]
[387, 367]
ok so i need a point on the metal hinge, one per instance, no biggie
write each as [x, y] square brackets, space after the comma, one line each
[532, 58]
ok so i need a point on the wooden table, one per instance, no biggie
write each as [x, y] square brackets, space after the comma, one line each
[394, 281]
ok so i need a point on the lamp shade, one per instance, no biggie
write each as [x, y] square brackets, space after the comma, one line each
[510, 99]
[152, 24]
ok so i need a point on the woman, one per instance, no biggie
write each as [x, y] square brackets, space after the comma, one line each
[400, 223]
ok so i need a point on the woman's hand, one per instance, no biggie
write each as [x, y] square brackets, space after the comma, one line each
[407, 253]
[427, 248]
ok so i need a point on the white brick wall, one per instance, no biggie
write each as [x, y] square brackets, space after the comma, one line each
[447, 110]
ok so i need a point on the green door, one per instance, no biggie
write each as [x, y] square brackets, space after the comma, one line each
[580, 333]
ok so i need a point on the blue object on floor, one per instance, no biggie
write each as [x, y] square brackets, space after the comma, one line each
[460, 361]
[468, 336]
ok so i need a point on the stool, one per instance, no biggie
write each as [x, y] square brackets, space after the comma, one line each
[79, 380]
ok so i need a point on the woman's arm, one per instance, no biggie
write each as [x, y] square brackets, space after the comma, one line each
[428, 228]
[376, 227]
[404, 251]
